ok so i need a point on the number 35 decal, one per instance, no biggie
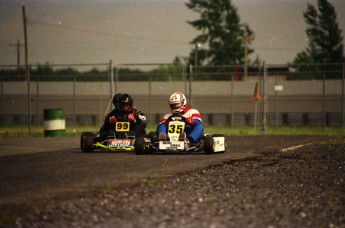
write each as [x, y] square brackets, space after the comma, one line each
[176, 128]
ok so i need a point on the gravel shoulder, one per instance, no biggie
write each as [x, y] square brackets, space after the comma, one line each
[303, 187]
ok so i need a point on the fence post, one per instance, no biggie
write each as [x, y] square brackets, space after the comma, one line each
[264, 120]
[27, 73]
[323, 102]
[111, 79]
[343, 98]
[232, 99]
[37, 95]
[184, 76]
[276, 101]
[2, 102]
[150, 97]
[190, 83]
[74, 95]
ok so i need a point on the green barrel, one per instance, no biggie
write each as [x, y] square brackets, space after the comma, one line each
[54, 122]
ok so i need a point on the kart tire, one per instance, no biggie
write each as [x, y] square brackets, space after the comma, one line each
[139, 146]
[153, 136]
[208, 144]
[82, 138]
[88, 144]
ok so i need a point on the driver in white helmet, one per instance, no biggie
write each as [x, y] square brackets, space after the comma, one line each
[178, 107]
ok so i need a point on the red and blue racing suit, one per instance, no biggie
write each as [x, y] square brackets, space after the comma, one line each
[193, 132]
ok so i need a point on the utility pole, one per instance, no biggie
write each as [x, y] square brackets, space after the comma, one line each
[27, 73]
[245, 39]
[18, 46]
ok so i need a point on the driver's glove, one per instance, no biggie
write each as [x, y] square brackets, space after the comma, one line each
[189, 121]
[112, 119]
[131, 117]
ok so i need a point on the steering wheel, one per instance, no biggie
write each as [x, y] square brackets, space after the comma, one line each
[176, 118]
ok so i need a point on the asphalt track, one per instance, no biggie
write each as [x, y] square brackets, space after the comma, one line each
[36, 172]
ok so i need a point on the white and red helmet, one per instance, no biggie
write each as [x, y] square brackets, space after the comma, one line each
[177, 102]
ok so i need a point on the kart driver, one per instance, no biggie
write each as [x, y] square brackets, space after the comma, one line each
[124, 111]
[178, 106]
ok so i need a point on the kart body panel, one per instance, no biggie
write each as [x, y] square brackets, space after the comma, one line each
[176, 142]
[121, 140]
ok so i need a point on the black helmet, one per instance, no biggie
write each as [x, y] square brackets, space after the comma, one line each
[115, 98]
[125, 103]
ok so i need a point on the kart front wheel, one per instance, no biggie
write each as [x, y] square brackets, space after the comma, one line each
[208, 144]
[82, 138]
[87, 144]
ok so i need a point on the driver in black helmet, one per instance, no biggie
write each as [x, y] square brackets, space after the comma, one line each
[124, 110]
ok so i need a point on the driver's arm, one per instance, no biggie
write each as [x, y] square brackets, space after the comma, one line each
[165, 119]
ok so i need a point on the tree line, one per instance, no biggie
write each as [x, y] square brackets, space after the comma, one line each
[223, 35]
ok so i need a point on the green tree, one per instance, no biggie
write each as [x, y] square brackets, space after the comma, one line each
[324, 36]
[45, 69]
[220, 28]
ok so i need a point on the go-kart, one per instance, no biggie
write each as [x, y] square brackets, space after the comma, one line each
[176, 141]
[122, 139]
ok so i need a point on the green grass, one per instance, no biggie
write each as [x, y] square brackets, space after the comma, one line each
[38, 131]
[275, 131]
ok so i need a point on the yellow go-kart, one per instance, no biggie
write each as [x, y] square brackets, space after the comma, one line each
[122, 139]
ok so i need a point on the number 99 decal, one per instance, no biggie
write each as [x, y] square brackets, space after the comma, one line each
[122, 126]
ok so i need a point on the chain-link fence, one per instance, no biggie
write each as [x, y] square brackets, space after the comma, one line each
[270, 95]
[82, 91]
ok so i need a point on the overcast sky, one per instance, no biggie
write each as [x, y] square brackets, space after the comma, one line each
[142, 31]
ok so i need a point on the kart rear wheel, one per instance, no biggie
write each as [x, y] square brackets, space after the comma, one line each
[88, 144]
[82, 138]
[208, 144]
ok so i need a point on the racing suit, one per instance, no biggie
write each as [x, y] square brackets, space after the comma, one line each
[138, 125]
[193, 132]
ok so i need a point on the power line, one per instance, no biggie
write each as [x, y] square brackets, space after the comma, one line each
[276, 49]
[59, 26]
